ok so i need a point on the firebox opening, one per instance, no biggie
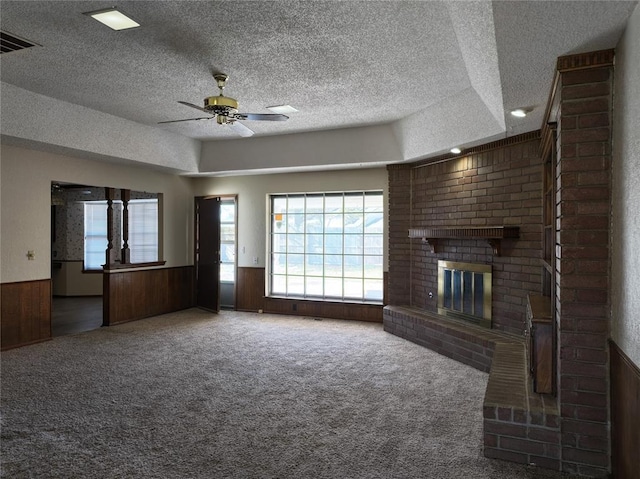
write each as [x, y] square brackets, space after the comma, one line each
[464, 291]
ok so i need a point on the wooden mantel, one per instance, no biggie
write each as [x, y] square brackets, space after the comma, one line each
[493, 234]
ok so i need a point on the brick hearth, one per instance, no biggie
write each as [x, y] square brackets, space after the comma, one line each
[519, 425]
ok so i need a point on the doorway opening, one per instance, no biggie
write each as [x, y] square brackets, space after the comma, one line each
[77, 293]
[228, 249]
[216, 252]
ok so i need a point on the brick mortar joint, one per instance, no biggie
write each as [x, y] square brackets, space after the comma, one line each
[527, 425]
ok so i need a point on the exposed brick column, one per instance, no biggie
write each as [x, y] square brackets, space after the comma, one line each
[582, 259]
[398, 287]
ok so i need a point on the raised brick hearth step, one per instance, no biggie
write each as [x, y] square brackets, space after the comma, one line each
[519, 425]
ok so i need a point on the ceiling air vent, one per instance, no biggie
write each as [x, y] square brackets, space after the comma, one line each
[11, 43]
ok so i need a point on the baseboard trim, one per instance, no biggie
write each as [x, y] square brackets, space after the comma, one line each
[30, 343]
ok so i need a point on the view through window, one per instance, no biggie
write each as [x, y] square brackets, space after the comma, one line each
[95, 234]
[227, 240]
[327, 246]
[143, 231]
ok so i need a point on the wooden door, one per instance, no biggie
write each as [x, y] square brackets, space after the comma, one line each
[207, 250]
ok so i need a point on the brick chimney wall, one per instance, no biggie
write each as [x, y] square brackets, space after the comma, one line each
[495, 185]
[500, 184]
[582, 261]
[397, 290]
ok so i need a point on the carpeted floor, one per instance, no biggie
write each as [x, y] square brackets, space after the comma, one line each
[241, 395]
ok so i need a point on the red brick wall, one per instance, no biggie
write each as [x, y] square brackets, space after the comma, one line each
[396, 289]
[583, 217]
[499, 185]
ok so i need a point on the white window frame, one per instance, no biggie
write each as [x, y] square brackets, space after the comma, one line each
[318, 264]
[228, 273]
[144, 236]
[94, 235]
[143, 241]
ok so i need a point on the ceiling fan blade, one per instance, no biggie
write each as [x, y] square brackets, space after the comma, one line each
[240, 129]
[188, 119]
[261, 116]
[193, 106]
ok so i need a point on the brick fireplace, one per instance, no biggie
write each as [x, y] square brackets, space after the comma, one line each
[500, 185]
[464, 292]
[497, 186]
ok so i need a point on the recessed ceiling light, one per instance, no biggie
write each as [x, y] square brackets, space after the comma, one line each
[113, 18]
[456, 150]
[282, 109]
[520, 113]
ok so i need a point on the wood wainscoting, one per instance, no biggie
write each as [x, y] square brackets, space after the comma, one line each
[25, 313]
[131, 295]
[324, 309]
[625, 415]
[250, 289]
[251, 297]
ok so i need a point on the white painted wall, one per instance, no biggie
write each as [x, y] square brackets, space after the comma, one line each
[29, 118]
[253, 194]
[625, 297]
[471, 23]
[25, 206]
[438, 128]
[69, 280]
[366, 146]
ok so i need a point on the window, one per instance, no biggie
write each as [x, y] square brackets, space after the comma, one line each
[143, 230]
[95, 234]
[327, 246]
[227, 240]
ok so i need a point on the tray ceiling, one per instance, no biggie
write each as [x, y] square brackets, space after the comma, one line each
[440, 72]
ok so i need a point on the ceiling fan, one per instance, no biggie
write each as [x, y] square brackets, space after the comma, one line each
[225, 110]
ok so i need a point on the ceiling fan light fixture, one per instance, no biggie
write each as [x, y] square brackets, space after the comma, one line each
[282, 109]
[221, 104]
[113, 18]
[225, 111]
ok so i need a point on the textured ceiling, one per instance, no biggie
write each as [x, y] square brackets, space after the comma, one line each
[340, 63]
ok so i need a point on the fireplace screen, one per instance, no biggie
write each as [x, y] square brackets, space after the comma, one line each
[464, 291]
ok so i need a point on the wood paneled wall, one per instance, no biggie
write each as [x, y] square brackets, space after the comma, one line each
[323, 309]
[25, 313]
[625, 415]
[251, 288]
[131, 295]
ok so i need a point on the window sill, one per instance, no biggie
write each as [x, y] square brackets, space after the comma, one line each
[369, 302]
[118, 266]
